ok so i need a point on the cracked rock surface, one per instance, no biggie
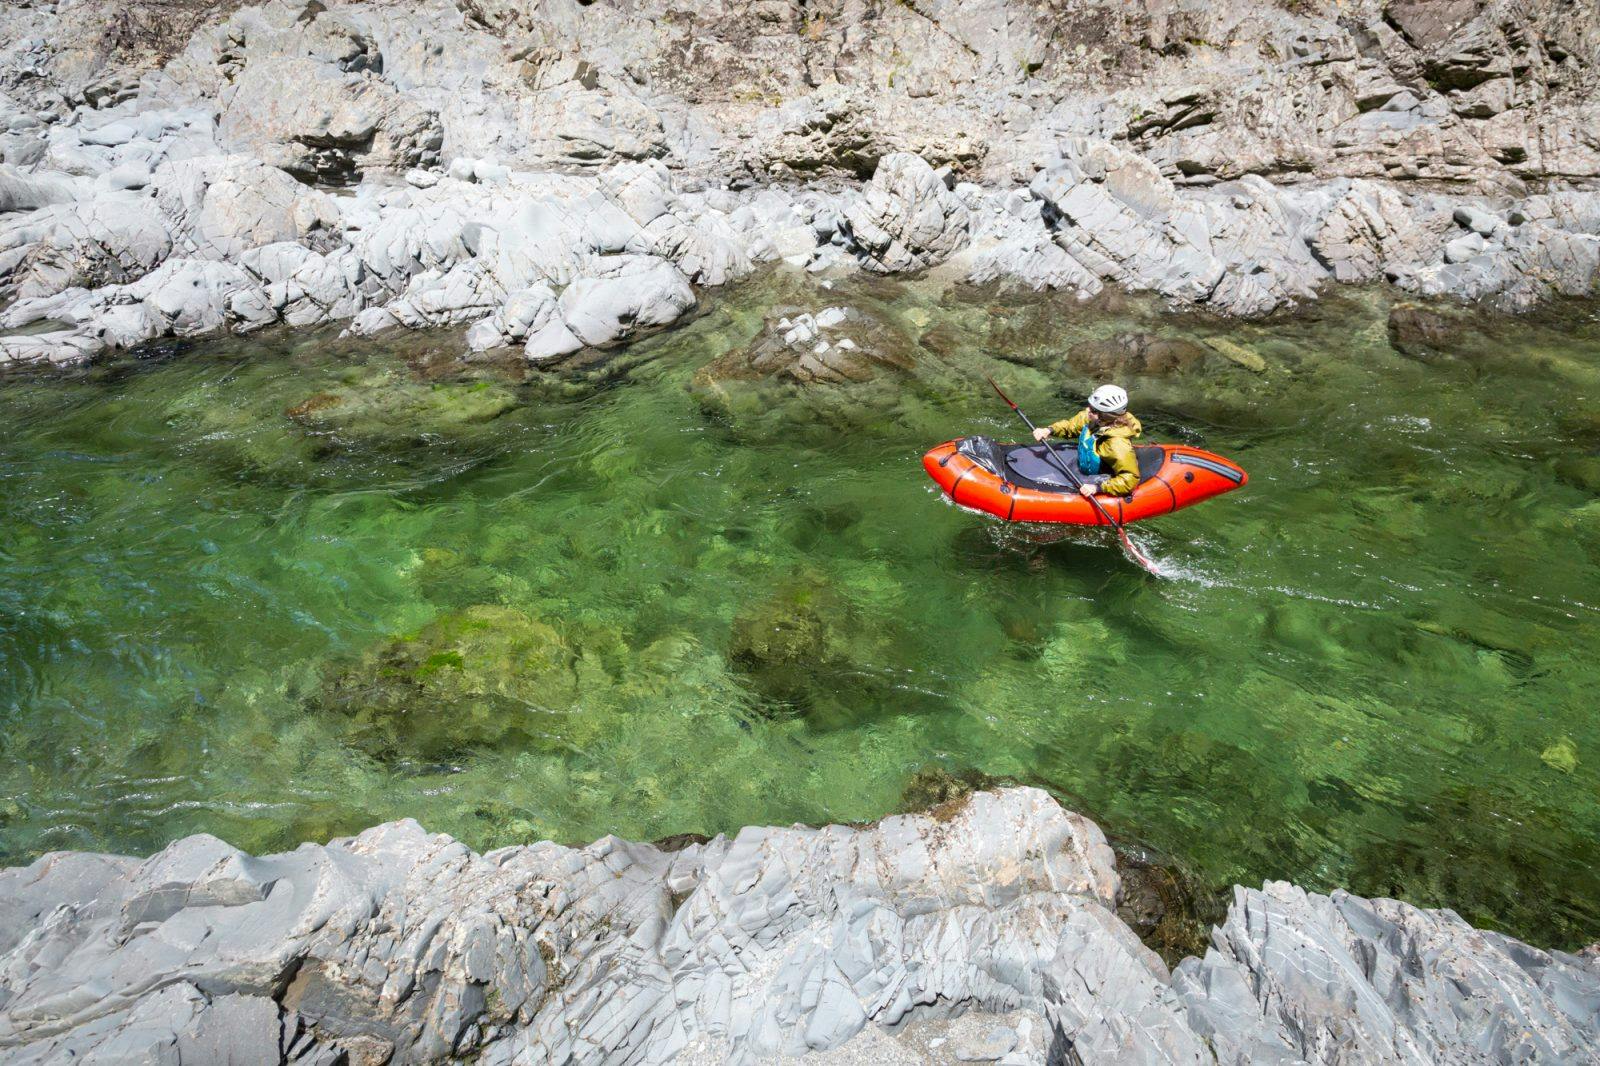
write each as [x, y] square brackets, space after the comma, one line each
[983, 930]
[467, 164]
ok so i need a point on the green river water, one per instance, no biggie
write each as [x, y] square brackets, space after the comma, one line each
[285, 587]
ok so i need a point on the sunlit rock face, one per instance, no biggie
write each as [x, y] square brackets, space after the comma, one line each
[560, 179]
[990, 920]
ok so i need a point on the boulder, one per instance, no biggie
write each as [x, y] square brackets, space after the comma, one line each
[25, 192]
[466, 292]
[907, 218]
[186, 297]
[58, 347]
[704, 244]
[1476, 219]
[628, 295]
[524, 313]
[1465, 248]
[333, 125]
[467, 680]
[135, 175]
[219, 207]
[301, 287]
[483, 171]
[1532, 263]
[108, 239]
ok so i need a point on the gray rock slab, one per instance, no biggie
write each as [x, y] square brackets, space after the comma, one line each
[983, 933]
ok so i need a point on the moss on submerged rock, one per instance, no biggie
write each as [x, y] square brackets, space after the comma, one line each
[390, 407]
[1580, 471]
[1162, 903]
[780, 642]
[475, 678]
[937, 788]
[797, 648]
[447, 577]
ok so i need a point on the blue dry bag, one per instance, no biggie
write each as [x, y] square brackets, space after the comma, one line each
[1088, 458]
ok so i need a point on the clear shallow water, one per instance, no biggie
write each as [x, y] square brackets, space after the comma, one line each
[280, 589]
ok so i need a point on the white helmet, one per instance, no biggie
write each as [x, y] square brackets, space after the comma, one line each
[1109, 400]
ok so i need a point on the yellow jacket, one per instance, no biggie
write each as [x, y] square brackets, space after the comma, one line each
[1111, 444]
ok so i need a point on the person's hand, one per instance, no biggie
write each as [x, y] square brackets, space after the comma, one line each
[1041, 434]
[1087, 489]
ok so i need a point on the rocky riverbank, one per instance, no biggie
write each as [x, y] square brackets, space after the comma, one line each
[560, 178]
[567, 177]
[983, 930]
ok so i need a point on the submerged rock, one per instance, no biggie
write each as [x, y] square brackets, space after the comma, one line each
[474, 678]
[1561, 755]
[1237, 354]
[1423, 333]
[380, 405]
[1581, 471]
[797, 645]
[1161, 904]
[936, 787]
[824, 369]
[780, 644]
[1134, 353]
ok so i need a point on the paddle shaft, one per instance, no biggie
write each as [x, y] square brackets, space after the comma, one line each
[1077, 483]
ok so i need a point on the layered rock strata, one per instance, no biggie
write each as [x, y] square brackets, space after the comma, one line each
[983, 930]
[558, 176]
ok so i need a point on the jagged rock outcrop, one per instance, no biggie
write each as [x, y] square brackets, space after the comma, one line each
[1483, 93]
[907, 217]
[219, 207]
[1370, 227]
[443, 251]
[526, 258]
[402, 946]
[1293, 976]
[1234, 158]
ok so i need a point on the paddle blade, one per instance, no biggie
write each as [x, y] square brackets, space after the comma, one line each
[1002, 395]
[1134, 553]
